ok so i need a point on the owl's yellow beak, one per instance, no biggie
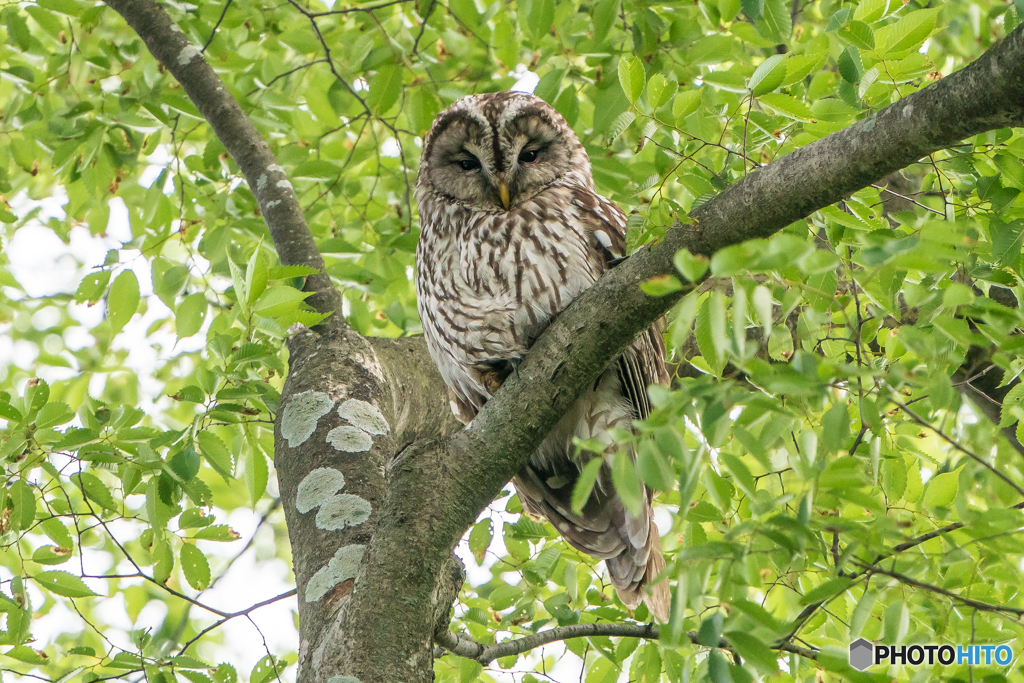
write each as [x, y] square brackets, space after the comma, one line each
[503, 193]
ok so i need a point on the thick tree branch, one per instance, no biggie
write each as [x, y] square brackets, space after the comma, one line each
[267, 180]
[464, 646]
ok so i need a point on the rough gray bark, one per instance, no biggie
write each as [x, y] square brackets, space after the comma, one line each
[374, 617]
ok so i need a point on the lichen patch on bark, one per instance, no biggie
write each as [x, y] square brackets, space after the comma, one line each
[349, 439]
[365, 416]
[341, 567]
[318, 487]
[342, 510]
[301, 415]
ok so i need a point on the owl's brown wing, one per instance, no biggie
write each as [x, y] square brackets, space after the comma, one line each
[643, 363]
[628, 543]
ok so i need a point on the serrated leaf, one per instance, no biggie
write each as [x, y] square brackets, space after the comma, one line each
[53, 414]
[585, 484]
[92, 287]
[123, 300]
[256, 473]
[825, 591]
[385, 87]
[632, 77]
[941, 489]
[686, 103]
[277, 301]
[94, 490]
[786, 105]
[689, 266]
[620, 124]
[646, 666]
[64, 584]
[776, 21]
[908, 33]
[768, 75]
[627, 484]
[217, 532]
[190, 315]
[480, 539]
[660, 90]
[195, 566]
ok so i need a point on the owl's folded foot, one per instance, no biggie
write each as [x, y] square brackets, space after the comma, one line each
[494, 373]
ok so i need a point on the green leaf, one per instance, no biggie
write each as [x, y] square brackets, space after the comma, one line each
[1006, 241]
[92, 287]
[542, 15]
[194, 566]
[620, 124]
[279, 301]
[686, 103]
[627, 484]
[661, 285]
[941, 489]
[480, 539]
[53, 414]
[646, 666]
[585, 484]
[654, 468]
[632, 77]
[64, 584]
[385, 88]
[266, 669]
[256, 473]
[123, 300]
[191, 314]
[23, 499]
[217, 532]
[256, 275]
[94, 489]
[826, 591]
[850, 66]
[689, 266]
[710, 632]
[776, 22]
[908, 33]
[604, 15]
[768, 75]
[752, 650]
[51, 554]
[894, 478]
[660, 90]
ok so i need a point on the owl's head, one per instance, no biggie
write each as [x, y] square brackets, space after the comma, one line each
[494, 151]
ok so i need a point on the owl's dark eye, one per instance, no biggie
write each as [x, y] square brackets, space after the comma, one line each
[469, 164]
[527, 156]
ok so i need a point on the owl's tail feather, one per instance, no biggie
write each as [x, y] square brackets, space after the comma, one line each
[634, 571]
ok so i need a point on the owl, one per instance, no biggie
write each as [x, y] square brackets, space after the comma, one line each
[512, 231]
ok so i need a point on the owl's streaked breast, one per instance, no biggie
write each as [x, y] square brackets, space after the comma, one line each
[497, 279]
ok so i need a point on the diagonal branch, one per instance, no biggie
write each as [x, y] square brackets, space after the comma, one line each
[267, 180]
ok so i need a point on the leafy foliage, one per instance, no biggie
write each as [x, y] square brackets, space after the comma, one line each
[822, 472]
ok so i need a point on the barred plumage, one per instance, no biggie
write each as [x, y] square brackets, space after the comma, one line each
[511, 232]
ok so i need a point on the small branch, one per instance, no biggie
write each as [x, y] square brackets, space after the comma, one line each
[942, 435]
[464, 646]
[970, 602]
[216, 26]
[243, 613]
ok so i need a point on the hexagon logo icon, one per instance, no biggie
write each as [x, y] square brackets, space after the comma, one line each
[862, 654]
